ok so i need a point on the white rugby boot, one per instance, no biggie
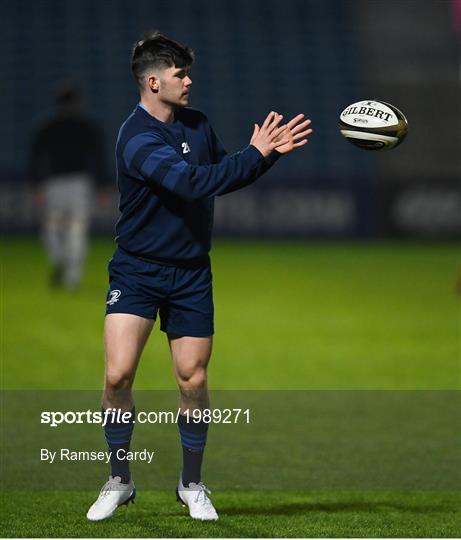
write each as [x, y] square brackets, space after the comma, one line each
[112, 495]
[195, 497]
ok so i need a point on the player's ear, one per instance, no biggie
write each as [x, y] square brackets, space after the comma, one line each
[153, 83]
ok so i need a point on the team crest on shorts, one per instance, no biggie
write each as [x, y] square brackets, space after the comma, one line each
[114, 297]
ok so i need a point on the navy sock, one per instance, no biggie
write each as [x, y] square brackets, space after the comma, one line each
[118, 437]
[193, 440]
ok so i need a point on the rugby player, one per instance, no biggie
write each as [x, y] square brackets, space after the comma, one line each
[170, 166]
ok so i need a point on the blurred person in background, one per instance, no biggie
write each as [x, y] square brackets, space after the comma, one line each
[66, 160]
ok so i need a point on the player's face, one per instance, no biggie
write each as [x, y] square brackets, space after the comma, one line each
[174, 86]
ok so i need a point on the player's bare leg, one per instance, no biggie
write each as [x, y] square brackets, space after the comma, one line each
[190, 357]
[125, 336]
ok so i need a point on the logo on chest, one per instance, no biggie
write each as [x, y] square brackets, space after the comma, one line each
[185, 148]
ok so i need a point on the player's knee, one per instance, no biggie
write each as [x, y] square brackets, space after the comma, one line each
[192, 379]
[118, 380]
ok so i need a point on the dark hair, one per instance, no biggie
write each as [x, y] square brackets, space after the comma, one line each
[155, 50]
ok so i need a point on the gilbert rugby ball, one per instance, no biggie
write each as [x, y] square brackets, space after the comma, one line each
[373, 125]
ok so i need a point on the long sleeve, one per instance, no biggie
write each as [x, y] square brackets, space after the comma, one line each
[147, 157]
[168, 175]
[219, 152]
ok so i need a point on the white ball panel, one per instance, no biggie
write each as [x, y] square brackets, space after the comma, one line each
[369, 114]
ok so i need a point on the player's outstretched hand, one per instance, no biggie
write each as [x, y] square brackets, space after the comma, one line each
[297, 134]
[267, 137]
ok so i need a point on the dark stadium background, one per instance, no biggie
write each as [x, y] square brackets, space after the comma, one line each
[336, 276]
[254, 56]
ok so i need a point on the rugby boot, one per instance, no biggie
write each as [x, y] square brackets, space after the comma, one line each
[195, 497]
[112, 495]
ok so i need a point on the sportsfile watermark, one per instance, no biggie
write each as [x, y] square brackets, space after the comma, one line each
[69, 454]
[308, 440]
[117, 416]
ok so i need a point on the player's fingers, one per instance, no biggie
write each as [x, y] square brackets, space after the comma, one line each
[302, 135]
[255, 131]
[280, 142]
[295, 120]
[268, 119]
[300, 127]
[300, 143]
[275, 122]
[280, 131]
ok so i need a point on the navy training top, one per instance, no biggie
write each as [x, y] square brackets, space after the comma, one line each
[168, 175]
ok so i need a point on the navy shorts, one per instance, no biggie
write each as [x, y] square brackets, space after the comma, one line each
[181, 294]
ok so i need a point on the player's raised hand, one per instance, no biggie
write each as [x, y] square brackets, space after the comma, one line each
[297, 133]
[269, 135]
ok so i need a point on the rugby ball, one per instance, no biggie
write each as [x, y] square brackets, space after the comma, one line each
[373, 125]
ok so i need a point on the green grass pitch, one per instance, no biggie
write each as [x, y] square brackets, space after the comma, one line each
[288, 316]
